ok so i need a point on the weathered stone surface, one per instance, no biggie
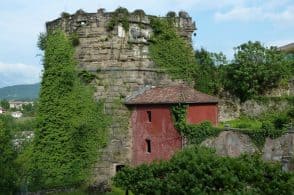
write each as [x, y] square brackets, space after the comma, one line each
[275, 149]
[255, 108]
[120, 61]
[229, 109]
[229, 143]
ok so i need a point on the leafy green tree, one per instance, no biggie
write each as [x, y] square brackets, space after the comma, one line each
[197, 170]
[28, 109]
[5, 104]
[210, 71]
[255, 69]
[8, 168]
[70, 125]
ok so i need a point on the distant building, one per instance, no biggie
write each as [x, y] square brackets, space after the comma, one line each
[153, 132]
[16, 114]
[2, 111]
[18, 104]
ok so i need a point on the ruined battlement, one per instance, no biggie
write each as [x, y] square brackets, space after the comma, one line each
[82, 20]
[114, 46]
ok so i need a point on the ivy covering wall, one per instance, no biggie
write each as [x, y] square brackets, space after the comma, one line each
[71, 126]
[8, 170]
[171, 52]
[272, 126]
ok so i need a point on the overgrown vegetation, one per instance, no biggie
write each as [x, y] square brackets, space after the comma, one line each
[65, 15]
[120, 15]
[86, 76]
[8, 170]
[70, 125]
[194, 133]
[271, 125]
[198, 170]
[4, 104]
[42, 40]
[170, 52]
[139, 12]
[211, 71]
[256, 69]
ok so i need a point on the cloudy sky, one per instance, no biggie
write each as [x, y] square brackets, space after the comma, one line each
[222, 25]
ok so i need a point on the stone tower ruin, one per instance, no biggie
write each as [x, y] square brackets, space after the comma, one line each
[120, 60]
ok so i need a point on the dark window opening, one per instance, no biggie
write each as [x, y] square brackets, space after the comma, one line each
[119, 167]
[149, 116]
[148, 145]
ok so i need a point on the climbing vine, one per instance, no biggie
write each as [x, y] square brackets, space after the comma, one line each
[194, 133]
[120, 15]
[71, 127]
[259, 136]
[272, 128]
[171, 52]
[86, 76]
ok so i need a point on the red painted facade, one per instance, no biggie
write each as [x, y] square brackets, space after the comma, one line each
[154, 134]
[198, 113]
[158, 130]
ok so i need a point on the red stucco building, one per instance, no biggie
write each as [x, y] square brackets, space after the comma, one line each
[153, 132]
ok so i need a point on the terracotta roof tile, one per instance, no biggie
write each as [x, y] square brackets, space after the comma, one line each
[170, 95]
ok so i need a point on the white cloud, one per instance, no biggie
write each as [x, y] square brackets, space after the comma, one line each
[279, 43]
[284, 17]
[239, 13]
[281, 14]
[12, 74]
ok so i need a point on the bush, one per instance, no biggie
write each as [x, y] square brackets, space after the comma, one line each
[198, 170]
[120, 15]
[256, 69]
[8, 170]
[211, 68]
[171, 14]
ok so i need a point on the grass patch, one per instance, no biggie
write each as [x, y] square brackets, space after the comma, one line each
[243, 122]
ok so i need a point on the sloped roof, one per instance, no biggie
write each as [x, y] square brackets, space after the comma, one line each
[289, 48]
[170, 95]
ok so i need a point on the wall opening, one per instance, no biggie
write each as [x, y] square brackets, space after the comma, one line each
[148, 145]
[149, 116]
[119, 168]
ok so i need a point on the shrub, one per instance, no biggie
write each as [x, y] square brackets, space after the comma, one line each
[65, 15]
[120, 15]
[171, 14]
[255, 69]
[198, 170]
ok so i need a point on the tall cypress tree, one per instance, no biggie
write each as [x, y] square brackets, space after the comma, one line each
[71, 126]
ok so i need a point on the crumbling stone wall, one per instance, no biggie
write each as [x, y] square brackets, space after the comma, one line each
[232, 109]
[120, 60]
[233, 144]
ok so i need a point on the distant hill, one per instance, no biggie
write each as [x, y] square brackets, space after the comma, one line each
[20, 92]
